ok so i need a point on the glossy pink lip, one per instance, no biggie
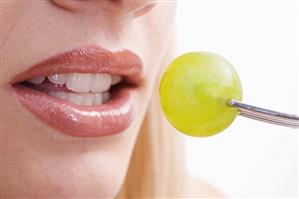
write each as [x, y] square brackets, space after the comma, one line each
[110, 118]
[91, 59]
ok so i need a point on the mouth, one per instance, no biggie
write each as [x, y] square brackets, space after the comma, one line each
[86, 92]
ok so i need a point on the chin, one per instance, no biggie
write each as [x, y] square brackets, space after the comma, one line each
[90, 175]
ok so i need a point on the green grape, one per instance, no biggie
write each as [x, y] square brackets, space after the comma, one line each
[194, 93]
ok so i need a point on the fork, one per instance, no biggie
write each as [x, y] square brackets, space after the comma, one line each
[265, 115]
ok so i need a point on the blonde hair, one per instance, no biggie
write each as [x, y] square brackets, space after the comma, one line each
[156, 166]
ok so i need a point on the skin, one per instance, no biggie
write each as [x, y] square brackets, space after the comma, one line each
[37, 160]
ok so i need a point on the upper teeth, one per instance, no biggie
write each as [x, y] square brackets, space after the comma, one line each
[82, 83]
[58, 78]
[79, 82]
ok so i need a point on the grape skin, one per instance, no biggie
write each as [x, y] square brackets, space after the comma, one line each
[194, 92]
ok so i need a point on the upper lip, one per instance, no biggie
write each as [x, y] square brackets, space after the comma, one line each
[89, 59]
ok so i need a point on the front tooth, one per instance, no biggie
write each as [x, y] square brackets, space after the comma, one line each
[100, 82]
[98, 99]
[60, 95]
[79, 82]
[87, 99]
[58, 78]
[75, 98]
[37, 80]
[115, 79]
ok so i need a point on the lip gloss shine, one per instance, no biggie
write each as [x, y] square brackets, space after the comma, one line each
[110, 118]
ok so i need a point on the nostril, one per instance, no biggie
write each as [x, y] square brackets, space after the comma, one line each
[66, 4]
[114, 7]
[144, 10]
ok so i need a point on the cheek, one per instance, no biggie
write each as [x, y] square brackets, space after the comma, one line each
[161, 29]
[160, 26]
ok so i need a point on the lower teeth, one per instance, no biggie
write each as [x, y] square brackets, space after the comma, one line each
[86, 99]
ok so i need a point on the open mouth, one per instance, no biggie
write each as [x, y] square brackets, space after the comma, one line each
[84, 89]
[86, 92]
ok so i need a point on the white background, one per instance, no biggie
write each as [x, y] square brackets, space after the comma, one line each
[259, 38]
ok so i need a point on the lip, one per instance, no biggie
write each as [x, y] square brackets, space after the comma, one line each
[90, 59]
[110, 118]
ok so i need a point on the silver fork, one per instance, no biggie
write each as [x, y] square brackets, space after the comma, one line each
[265, 115]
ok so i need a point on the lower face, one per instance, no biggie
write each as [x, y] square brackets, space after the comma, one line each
[62, 136]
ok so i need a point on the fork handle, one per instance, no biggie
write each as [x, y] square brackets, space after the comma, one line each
[265, 115]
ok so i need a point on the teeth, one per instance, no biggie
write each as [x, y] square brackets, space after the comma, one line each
[106, 97]
[37, 80]
[59, 95]
[58, 78]
[115, 79]
[100, 82]
[88, 89]
[79, 82]
[86, 99]
[75, 98]
[83, 82]
[98, 99]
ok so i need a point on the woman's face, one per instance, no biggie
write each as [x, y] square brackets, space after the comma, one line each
[67, 137]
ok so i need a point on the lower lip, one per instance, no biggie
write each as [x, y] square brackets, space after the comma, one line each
[111, 118]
